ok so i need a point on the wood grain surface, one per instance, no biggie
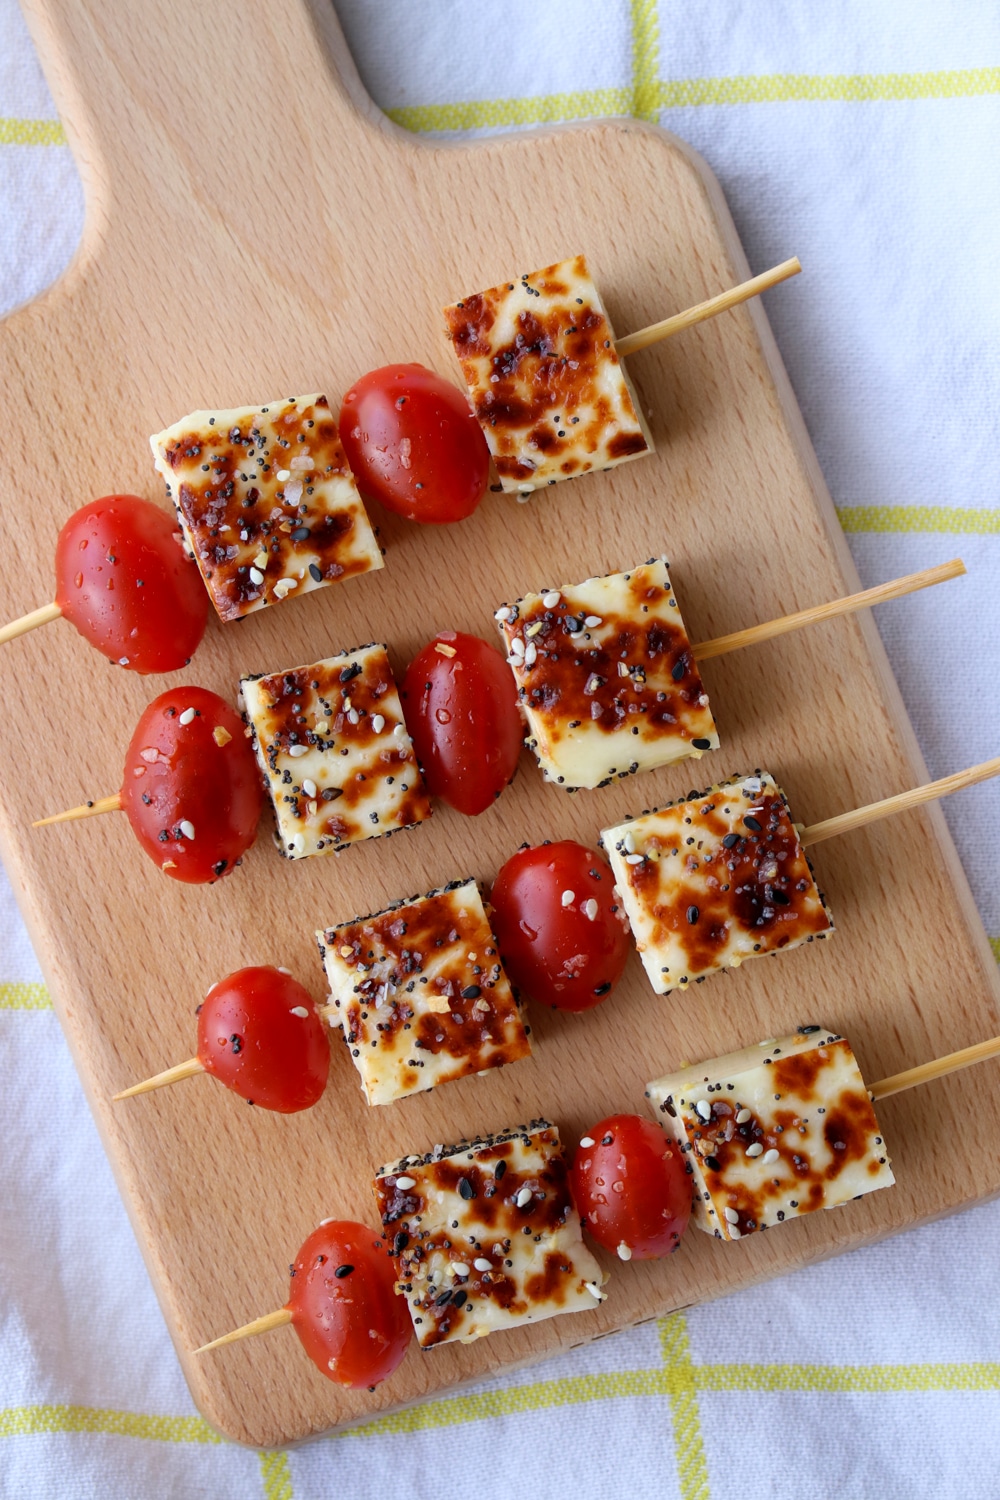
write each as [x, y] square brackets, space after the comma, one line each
[255, 229]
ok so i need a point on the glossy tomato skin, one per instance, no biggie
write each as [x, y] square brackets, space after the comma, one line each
[561, 952]
[460, 705]
[124, 582]
[631, 1187]
[179, 773]
[414, 444]
[251, 1038]
[353, 1326]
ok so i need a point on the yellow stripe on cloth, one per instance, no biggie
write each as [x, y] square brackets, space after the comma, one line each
[31, 133]
[863, 1379]
[17, 996]
[649, 95]
[276, 1476]
[689, 1451]
[645, 59]
[929, 518]
[23, 1421]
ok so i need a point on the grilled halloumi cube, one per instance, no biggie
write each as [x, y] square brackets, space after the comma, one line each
[421, 994]
[606, 677]
[485, 1236]
[715, 879]
[538, 356]
[337, 760]
[773, 1132]
[266, 501]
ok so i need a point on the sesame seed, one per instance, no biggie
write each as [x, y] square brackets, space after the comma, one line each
[743, 1117]
[629, 844]
[517, 647]
[405, 1182]
[282, 475]
[704, 1109]
[298, 750]
[590, 910]
[624, 1251]
[731, 1215]
[551, 599]
[187, 828]
[755, 1150]
[633, 859]
[378, 723]
[594, 1290]
[299, 1010]
[481, 1264]
[309, 787]
[459, 1268]
[593, 621]
[187, 717]
[734, 1233]
[353, 717]
[586, 1140]
[530, 654]
[256, 576]
[524, 1197]
[770, 1156]
[533, 630]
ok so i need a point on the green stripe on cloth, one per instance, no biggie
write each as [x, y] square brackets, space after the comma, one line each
[16, 996]
[929, 518]
[649, 95]
[31, 133]
[22, 1421]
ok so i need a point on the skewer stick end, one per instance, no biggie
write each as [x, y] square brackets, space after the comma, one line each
[270, 1320]
[87, 810]
[160, 1080]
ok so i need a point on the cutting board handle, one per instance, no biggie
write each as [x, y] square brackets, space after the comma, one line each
[214, 100]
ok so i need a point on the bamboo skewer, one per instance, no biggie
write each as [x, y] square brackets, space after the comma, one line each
[28, 622]
[276, 1319]
[160, 1080]
[939, 1068]
[88, 810]
[860, 817]
[643, 337]
[883, 592]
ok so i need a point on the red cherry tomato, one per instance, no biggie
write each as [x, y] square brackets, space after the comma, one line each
[631, 1187]
[260, 1035]
[125, 584]
[460, 705]
[344, 1306]
[192, 789]
[562, 934]
[414, 445]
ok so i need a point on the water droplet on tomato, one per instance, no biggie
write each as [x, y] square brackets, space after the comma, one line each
[442, 715]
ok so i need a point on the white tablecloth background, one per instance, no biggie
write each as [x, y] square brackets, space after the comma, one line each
[865, 139]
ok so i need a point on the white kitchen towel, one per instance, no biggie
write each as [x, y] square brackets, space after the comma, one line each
[863, 138]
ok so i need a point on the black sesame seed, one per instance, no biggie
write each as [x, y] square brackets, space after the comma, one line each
[752, 822]
[465, 1189]
[702, 744]
[730, 840]
[343, 1271]
[471, 992]
[692, 914]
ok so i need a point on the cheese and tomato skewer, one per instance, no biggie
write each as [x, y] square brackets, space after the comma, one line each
[124, 583]
[260, 1034]
[721, 877]
[191, 788]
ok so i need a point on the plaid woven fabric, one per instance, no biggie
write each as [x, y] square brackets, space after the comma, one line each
[864, 140]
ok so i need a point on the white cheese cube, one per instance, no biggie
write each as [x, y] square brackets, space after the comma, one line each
[538, 356]
[606, 678]
[337, 760]
[773, 1132]
[421, 994]
[713, 880]
[502, 1199]
[266, 502]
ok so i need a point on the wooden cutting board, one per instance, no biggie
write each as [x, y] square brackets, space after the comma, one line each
[255, 228]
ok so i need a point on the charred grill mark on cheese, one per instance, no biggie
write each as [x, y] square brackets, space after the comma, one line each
[268, 507]
[545, 380]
